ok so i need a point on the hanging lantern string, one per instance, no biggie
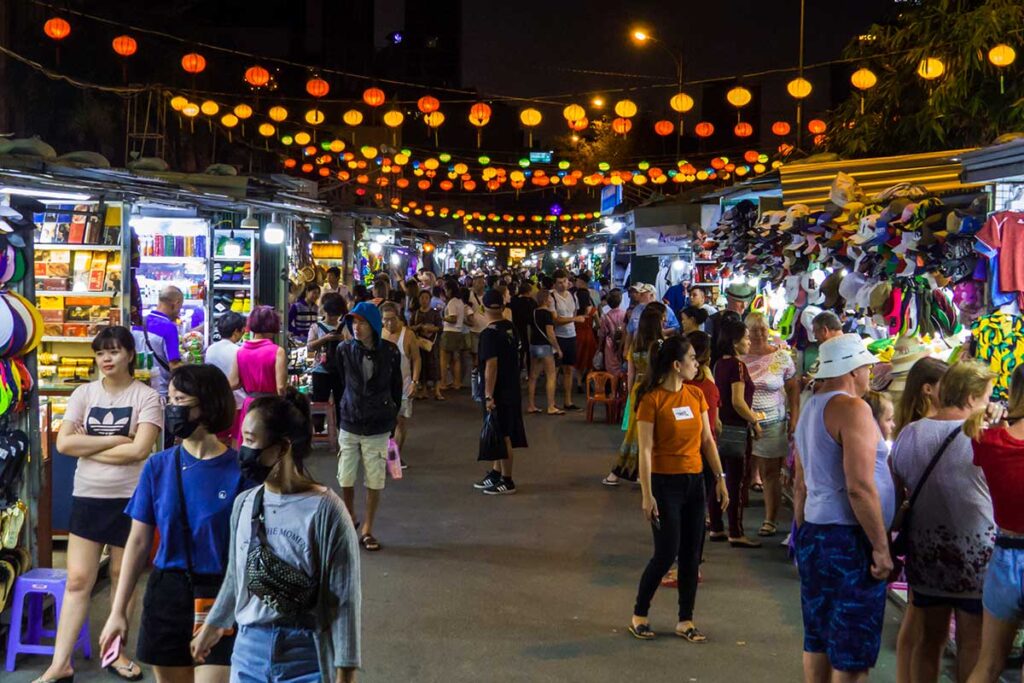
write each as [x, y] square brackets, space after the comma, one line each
[75, 82]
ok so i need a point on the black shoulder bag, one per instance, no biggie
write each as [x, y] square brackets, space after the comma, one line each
[204, 593]
[900, 532]
[286, 589]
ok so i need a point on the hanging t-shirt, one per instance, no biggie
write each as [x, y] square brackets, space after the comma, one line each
[678, 422]
[1004, 232]
[210, 488]
[999, 343]
[101, 413]
[728, 371]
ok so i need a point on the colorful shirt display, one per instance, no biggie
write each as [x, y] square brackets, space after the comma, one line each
[999, 343]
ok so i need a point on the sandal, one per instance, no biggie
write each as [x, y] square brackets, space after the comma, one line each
[556, 411]
[369, 543]
[693, 635]
[767, 529]
[757, 487]
[743, 542]
[534, 411]
[123, 672]
[718, 536]
[642, 631]
[611, 482]
[571, 406]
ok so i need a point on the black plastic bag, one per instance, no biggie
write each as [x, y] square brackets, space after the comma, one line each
[492, 443]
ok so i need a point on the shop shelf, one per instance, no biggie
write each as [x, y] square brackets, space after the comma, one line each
[54, 292]
[171, 259]
[232, 285]
[79, 247]
[67, 340]
[232, 258]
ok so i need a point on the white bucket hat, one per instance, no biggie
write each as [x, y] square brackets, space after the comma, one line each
[841, 355]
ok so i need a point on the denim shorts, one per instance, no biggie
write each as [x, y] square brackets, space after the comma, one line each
[541, 350]
[264, 652]
[843, 605]
[1004, 593]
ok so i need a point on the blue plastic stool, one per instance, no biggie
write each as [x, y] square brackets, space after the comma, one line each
[34, 585]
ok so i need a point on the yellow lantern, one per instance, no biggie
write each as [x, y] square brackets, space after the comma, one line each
[863, 79]
[315, 117]
[930, 68]
[530, 117]
[243, 111]
[739, 97]
[625, 108]
[178, 103]
[266, 130]
[336, 146]
[681, 102]
[1002, 55]
[190, 110]
[278, 113]
[352, 117]
[369, 151]
[229, 120]
[434, 119]
[799, 88]
[393, 118]
[302, 138]
[210, 108]
[574, 112]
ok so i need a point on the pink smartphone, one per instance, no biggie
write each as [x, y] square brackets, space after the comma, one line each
[112, 653]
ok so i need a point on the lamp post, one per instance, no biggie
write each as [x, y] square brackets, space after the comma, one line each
[641, 37]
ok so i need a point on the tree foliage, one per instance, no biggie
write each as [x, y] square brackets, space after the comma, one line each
[904, 113]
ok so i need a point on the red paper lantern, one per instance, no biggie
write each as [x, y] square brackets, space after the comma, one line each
[743, 130]
[257, 76]
[704, 129]
[664, 128]
[57, 28]
[817, 126]
[469, 185]
[428, 104]
[125, 46]
[317, 87]
[622, 125]
[193, 63]
[423, 184]
[718, 163]
[374, 97]
[750, 156]
[479, 114]
[781, 128]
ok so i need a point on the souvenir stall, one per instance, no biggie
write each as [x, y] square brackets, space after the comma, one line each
[329, 254]
[464, 255]
[373, 253]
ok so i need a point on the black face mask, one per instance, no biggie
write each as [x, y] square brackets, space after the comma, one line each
[250, 465]
[177, 422]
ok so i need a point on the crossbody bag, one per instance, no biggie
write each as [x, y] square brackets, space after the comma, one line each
[286, 589]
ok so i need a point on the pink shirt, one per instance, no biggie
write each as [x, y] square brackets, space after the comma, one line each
[256, 362]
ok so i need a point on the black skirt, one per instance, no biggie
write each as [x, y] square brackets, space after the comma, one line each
[165, 631]
[100, 520]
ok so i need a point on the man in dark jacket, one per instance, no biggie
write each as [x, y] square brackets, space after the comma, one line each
[371, 382]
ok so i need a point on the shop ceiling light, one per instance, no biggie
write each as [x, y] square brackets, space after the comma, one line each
[376, 248]
[249, 222]
[46, 194]
[600, 250]
[396, 259]
[273, 232]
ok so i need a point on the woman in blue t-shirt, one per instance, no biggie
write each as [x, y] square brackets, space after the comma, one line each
[186, 492]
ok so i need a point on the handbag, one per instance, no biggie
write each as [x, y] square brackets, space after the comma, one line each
[204, 593]
[900, 531]
[287, 590]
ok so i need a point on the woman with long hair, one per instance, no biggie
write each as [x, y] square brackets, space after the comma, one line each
[185, 493]
[110, 426]
[740, 423]
[675, 438]
[544, 351]
[426, 322]
[292, 583]
[999, 452]
[648, 331]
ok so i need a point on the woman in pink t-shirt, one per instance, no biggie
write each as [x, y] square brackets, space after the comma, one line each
[262, 364]
[110, 426]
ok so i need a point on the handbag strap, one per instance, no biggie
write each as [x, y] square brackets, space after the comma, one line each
[258, 529]
[145, 336]
[931, 465]
[184, 513]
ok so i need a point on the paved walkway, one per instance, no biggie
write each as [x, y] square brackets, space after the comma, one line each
[539, 586]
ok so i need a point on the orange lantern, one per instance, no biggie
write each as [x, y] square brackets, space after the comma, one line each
[125, 46]
[374, 97]
[317, 87]
[704, 129]
[469, 185]
[664, 128]
[423, 184]
[781, 128]
[480, 114]
[57, 28]
[622, 125]
[750, 156]
[257, 76]
[743, 130]
[579, 124]
[428, 104]
[193, 63]
[817, 126]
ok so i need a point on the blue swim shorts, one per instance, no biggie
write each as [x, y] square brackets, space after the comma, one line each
[843, 605]
[1004, 593]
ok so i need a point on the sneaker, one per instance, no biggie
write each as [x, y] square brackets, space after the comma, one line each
[404, 466]
[490, 479]
[501, 488]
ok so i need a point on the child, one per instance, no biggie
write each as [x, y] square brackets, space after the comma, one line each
[884, 411]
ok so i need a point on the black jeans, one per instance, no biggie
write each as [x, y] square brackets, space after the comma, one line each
[680, 499]
[734, 472]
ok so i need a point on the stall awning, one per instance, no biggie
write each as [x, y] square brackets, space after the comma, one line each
[809, 183]
[999, 162]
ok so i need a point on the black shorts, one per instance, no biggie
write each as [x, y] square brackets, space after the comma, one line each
[100, 520]
[568, 346]
[969, 605]
[165, 631]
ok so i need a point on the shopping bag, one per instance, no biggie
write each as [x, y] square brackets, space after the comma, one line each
[492, 443]
[394, 461]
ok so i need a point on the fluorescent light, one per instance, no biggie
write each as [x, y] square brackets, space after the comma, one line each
[376, 248]
[396, 259]
[600, 250]
[273, 232]
[47, 194]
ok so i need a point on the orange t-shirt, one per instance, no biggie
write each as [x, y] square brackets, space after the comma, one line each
[678, 423]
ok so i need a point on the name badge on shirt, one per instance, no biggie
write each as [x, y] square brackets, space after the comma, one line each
[683, 413]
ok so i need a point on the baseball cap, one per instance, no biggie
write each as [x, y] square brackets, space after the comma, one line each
[493, 299]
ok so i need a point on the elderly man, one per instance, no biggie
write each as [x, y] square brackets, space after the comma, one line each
[844, 502]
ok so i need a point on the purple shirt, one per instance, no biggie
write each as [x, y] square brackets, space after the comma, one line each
[160, 325]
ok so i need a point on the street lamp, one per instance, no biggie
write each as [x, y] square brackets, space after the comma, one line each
[642, 37]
